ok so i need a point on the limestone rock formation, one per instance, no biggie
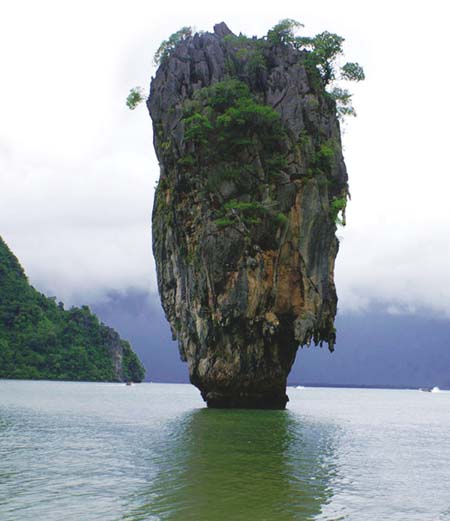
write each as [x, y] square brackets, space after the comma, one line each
[244, 220]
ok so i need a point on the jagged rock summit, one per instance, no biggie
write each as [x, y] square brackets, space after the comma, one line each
[244, 220]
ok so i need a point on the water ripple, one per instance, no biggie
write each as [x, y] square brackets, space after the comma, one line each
[153, 453]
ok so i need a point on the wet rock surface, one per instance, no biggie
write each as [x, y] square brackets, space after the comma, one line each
[244, 239]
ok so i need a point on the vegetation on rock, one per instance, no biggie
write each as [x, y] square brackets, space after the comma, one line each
[135, 97]
[321, 53]
[337, 210]
[224, 125]
[322, 50]
[39, 339]
[168, 46]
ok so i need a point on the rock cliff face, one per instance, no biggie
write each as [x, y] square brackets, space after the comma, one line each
[244, 220]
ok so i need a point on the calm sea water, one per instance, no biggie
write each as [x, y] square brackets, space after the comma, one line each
[74, 451]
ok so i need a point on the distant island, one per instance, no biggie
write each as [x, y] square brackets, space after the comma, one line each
[39, 339]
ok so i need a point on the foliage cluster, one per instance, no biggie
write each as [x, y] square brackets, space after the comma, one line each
[223, 222]
[247, 61]
[323, 159]
[337, 210]
[135, 97]
[168, 46]
[283, 33]
[39, 339]
[225, 118]
[323, 49]
[250, 212]
[228, 132]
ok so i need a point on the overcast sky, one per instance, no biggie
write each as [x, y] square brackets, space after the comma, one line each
[77, 168]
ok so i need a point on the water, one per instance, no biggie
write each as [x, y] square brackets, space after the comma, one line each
[81, 452]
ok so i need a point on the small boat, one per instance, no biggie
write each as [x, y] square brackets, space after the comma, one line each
[430, 389]
[129, 383]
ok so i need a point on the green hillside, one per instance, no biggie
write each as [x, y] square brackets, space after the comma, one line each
[39, 339]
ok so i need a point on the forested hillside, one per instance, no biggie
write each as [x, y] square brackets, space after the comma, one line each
[39, 339]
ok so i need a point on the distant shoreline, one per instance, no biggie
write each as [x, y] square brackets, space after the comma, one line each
[362, 386]
[338, 386]
[289, 385]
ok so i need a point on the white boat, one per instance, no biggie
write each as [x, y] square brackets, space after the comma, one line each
[435, 390]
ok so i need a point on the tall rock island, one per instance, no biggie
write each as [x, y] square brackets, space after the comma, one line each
[251, 186]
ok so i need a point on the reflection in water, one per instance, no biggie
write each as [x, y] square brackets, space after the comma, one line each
[234, 464]
[105, 452]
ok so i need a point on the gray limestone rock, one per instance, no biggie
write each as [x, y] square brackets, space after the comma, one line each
[242, 294]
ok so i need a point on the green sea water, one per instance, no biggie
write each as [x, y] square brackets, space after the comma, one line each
[81, 451]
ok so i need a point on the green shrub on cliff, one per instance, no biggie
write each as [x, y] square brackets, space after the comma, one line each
[135, 97]
[284, 32]
[323, 51]
[240, 122]
[226, 117]
[343, 100]
[251, 212]
[324, 158]
[169, 45]
[224, 94]
[223, 222]
[353, 72]
[198, 128]
[337, 210]
[321, 55]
